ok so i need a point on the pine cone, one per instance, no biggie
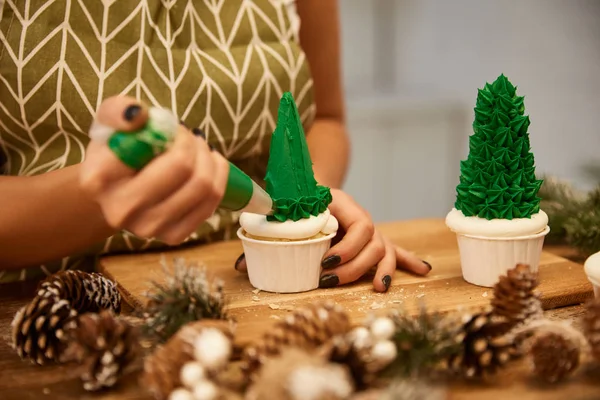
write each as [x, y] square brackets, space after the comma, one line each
[515, 297]
[306, 328]
[297, 374]
[554, 356]
[591, 327]
[486, 346]
[104, 346]
[86, 292]
[38, 329]
[162, 369]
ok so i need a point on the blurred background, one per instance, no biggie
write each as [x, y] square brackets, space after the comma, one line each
[411, 73]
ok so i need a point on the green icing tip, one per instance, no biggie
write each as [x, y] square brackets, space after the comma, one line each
[498, 178]
[290, 179]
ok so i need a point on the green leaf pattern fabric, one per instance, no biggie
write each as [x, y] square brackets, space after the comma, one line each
[219, 65]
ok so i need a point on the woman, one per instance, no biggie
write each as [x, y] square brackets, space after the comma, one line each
[221, 66]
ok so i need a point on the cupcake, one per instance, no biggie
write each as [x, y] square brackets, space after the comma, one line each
[592, 270]
[497, 216]
[284, 250]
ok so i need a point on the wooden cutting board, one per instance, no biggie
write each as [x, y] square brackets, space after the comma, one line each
[563, 282]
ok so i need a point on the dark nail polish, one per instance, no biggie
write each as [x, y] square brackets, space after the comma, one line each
[211, 147]
[387, 281]
[426, 263]
[131, 112]
[199, 132]
[331, 261]
[239, 260]
[329, 281]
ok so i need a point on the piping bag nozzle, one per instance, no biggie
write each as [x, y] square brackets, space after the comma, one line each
[136, 149]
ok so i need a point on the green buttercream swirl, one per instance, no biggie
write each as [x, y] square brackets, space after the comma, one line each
[304, 207]
[290, 178]
[498, 177]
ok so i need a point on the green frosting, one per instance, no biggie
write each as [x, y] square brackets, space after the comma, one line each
[498, 178]
[290, 179]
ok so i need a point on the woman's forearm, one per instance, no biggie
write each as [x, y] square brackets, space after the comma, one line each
[329, 149]
[45, 218]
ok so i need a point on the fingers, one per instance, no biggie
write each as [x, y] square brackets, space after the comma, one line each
[122, 113]
[411, 263]
[358, 227]
[385, 269]
[370, 256]
[240, 263]
[122, 202]
[210, 181]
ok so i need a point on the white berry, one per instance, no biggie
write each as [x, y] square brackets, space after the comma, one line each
[181, 394]
[212, 348]
[191, 373]
[383, 328]
[361, 337]
[384, 351]
[205, 390]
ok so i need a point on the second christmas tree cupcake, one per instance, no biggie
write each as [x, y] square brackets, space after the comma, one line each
[284, 251]
[497, 216]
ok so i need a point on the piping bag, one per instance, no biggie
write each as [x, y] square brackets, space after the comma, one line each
[137, 148]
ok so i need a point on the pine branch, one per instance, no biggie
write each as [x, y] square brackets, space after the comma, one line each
[560, 201]
[186, 295]
[423, 342]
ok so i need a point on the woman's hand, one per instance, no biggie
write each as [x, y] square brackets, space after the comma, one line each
[171, 196]
[361, 247]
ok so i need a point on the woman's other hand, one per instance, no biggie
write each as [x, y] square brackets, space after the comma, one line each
[361, 247]
[171, 196]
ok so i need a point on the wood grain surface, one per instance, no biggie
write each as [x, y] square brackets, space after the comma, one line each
[563, 282]
[21, 380]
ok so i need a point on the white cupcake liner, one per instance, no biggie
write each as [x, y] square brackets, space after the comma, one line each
[592, 270]
[484, 259]
[285, 267]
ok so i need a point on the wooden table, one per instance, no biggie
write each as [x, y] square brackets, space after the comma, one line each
[22, 380]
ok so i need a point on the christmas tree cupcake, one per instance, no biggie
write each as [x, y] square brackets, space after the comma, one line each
[497, 216]
[284, 250]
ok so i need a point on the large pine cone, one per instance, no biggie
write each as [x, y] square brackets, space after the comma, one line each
[306, 328]
[104, 346]
[486, 346]
[38, 329]
[87, 292]
[591, 327]
[554, 356]
[515, 297]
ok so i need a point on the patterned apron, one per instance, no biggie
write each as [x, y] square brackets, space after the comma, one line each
[219, 65]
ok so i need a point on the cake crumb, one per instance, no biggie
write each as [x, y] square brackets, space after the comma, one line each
[485, 294]
[363, 297]
[396, 302]
[421, 286]
[46, 391]
[274, 306]
[255, 298]
[376, 305]
[256, 291]
[420, 295]
[275, 317]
